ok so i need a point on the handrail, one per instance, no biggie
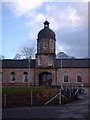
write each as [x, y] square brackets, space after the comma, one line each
[54, 98]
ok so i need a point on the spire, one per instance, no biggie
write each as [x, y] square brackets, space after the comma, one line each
[46, 24]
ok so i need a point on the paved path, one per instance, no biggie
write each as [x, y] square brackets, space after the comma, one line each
[75, 110]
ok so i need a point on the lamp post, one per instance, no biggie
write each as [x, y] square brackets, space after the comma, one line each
[29, 60]
[60, 97]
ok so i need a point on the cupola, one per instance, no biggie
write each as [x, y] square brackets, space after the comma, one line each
[46, 32]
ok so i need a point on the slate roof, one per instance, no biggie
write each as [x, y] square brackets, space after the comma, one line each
[73, 63]
[66, 63]
[9, 63]
[46, 32]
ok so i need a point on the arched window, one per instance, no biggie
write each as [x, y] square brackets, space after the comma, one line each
[65, 77]
[1, 76]
[25, 77]
[79, 77]
[39, 46]
[45, 45]
[40, 60]
[52, 43]
[12, 77]
[50, 61]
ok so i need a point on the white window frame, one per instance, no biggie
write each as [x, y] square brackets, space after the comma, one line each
[11, 77]
[50, 61]
[25, 73]
[80, 74]
[65, 74]
[40, 61]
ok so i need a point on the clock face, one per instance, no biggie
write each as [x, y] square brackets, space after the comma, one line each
[46, 25]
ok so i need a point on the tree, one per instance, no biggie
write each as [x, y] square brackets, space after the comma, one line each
[63, 55]
[17, 56]
[25, 52]
[2, 57]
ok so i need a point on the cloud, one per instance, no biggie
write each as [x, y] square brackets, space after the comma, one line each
[74, 43]
[70, 22]
[22, 7]
[64, 18]
[67, 19]
[67, 14]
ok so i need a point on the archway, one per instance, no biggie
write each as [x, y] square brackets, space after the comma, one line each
[45, 79]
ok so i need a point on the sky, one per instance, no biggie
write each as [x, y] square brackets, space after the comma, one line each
[23, 19]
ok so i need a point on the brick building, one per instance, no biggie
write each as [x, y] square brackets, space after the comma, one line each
[45, 69]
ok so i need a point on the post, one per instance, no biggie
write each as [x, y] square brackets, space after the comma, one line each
[60, 97]
[31, 98]
[29, 60]
[5, 100]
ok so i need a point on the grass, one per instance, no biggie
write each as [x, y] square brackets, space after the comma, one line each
[15, 89]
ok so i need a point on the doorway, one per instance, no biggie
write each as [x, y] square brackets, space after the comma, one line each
[45, 79]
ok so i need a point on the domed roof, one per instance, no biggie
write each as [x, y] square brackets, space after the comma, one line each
[46, 32]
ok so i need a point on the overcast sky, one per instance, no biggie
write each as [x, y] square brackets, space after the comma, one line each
[23, 19]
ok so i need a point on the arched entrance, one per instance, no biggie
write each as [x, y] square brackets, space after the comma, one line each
[45, 79]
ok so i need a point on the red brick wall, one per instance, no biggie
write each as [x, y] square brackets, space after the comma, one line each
[72, 75]
[34, 75]
[18, 75]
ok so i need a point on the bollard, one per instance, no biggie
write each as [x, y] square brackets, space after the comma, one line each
[31, 98]
[5, 100]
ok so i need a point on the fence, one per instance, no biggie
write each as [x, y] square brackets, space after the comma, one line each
[27, 98]
[39, 98]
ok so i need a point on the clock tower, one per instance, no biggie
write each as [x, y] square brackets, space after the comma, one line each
[45, 56]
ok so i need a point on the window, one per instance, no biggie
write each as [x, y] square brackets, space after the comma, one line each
[1, 76]
[79, 78]
[50, 61]
[39, 45]
[40, 60]
[52, 44]
[45, 45]
[12, 77]
[25, 77]
[66, 77]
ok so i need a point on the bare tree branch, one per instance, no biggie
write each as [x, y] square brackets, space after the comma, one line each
[2, 57]
[26, 52]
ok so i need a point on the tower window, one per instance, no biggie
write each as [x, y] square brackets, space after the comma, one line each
[52, 44]
[39, 45]
[39, 60]
[45, 45]
[12, 77]
[25, 77]
[50, 61]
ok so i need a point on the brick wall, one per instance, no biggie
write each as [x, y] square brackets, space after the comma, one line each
[34, 75]
[72, 75]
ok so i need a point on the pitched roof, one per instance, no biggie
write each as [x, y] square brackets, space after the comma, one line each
[9, 63]
[66, 63]
[73, 63]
